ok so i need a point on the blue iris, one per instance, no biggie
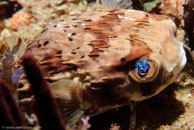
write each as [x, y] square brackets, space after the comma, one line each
[142, 67]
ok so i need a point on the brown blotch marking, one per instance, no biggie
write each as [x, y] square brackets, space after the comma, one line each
[67, 27]
[101, 30]
[136, 52]
[55, 26]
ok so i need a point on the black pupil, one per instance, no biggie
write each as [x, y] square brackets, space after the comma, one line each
[142, 67]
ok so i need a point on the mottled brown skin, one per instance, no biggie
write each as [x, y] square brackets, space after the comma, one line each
[100, 49]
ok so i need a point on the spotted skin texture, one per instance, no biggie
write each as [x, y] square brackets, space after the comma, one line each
[100, 49]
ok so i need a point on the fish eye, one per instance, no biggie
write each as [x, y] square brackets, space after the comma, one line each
[144, 70]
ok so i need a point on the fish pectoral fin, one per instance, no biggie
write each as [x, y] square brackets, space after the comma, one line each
[74, 118]
[65, 88]
[65, 92]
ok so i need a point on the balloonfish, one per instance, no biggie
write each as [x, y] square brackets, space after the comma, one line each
[100, 60]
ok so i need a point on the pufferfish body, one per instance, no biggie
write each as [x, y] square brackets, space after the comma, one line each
[96, 61]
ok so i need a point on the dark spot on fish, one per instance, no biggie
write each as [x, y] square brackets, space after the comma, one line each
[73, 34]
[82, 57]
[46, 43]
[48, 58]
[62, 20]
[87, 20]
[59, 52]
[146, 15]
[87, 28]
[39, 45]
[74, 26]
[66, 27]
[76, 49]
[55, 26]
[70, 39]
[73, 52]
[44, 30]
[74, 67]
[74, 19]
[65, 31]
[123, 59]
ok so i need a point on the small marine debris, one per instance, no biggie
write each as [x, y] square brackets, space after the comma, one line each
[85, 123]
[115, 127]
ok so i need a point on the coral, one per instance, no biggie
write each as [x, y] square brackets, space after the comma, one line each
[7, 69]
[9, 110]
[20, 19]
[46, 107]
